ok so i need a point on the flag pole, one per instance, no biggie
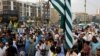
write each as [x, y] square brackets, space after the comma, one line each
[68, 24]
[64, 8]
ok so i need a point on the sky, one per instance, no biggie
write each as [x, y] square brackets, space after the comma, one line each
[78, 5]
[92, 6]
[29, 0]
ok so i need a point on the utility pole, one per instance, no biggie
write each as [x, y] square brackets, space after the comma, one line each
[85, 5]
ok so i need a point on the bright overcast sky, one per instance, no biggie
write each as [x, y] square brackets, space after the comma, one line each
[78, 5]
[29, 0]
[92, 6]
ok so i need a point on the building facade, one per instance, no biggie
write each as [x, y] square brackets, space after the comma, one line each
[23, 11]
[8, 11]
[81, 18]
[12, 8]
[98, 11]
[43, 11]
[27, 10]
[96, 18]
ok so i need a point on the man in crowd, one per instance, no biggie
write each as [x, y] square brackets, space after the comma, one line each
[11, 50]
[2, 48]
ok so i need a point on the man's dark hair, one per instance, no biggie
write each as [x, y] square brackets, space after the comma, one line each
[10, 43]
[52, 48]
[58, 50]
[94, 39]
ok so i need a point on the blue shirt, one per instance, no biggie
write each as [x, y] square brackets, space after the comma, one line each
[94, 47]
[27, 45]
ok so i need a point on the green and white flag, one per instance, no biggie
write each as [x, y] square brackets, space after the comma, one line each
[64, 8]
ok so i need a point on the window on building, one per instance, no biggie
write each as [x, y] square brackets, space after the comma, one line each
[27, 13]
[15, 3]
[20, 13]
[6, 3]
[15, 8]
[24, 5]
[20, 4]
[0, 3]
[45, 12]
[6, 8]
[31, 14]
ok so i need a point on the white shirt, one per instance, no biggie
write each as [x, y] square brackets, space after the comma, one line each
[2, 51]
[50, 53]
[88, 37]
[79, 54]
[43, 46]
[56, 36]
[38, 52]
[14, 44]
[98, 38]
[21, 30]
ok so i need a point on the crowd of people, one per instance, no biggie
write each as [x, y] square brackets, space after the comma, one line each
[43, 41]
[30, 41]
[87, 40]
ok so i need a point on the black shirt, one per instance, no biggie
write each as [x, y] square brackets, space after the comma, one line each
[80, 43]
[11, 51]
